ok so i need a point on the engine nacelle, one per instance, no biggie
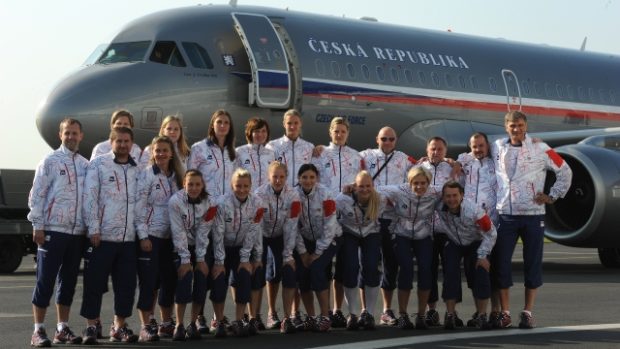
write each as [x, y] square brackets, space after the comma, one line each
[589, 215]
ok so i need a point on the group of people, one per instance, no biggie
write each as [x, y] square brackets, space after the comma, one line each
[176, 223]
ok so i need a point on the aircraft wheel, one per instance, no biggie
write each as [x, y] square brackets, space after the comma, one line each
[610, 257]
[11, 253]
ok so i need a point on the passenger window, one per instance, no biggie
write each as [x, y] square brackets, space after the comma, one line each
[582, 93]
[380, 73]
[570, 92]
[592, 94]
[320, 67]
[612, 97]
[197, 55]
[435, 78]
[365, 72]
[602, 95]
[409, 76]
[548, 90]
[526, 87]
[350, 71]
[394, 73]
[462, 82]
[422, 77]
[474, 82]
[166, 52]
[560, 90]
[538, 88]
[449, 81]
[124, 52]
[492, 84]
[335, 69]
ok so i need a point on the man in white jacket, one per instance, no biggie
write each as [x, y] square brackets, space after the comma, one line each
[521, 166]
[58, 230]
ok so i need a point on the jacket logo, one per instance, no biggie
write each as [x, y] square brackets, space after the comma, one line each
[111, 179]
[63, 172]
[209, 157]
[372, 166]
[279, 158]
[327, 165]
[350, 214]
[228, 219]
[405, 206]
[184, 216]
[157, 186]
[247, 161]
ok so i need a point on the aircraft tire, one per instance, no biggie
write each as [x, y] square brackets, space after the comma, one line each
[610, 257]
[11, 253]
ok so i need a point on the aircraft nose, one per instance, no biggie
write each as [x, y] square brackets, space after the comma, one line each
[79, 96]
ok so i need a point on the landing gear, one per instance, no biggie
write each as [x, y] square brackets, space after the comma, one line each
[610, 257]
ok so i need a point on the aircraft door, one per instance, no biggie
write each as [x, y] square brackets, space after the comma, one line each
[513, 92]
[271, 78]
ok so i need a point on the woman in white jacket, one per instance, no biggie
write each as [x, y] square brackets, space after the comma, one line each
[358, 214]
[192, 215]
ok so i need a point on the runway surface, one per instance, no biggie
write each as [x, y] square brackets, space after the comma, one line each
[578, 307]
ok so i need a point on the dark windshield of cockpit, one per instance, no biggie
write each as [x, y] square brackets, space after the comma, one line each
[125, 52]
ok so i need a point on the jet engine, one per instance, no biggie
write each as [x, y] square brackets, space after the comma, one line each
[589, 215]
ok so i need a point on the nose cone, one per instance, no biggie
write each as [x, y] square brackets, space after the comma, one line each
[89, 95]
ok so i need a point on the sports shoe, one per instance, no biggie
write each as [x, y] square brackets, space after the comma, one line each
[457, 320]
[99, 329]
[201, 325]
[324, 323]
[179, 333]
[260, 323]
[432, 318]
[527, 320]
[39, 339]
[166, 330]
[504, 320]
[66, 336]
[287, 326]
[448, 321]
[89, 335]
[215, 324]
[420, 322]
[192, 332]
[310, 324]
[252, 325]
[366, 321]
[239, 328]
[403, 322]
[337, 319]
[298, 322]
[472, 322]
[352, 322]
[122, 334]
[148, 333]
[494, 319]
[273, 321]
[220, 329]
[480, 322]
[388, 318]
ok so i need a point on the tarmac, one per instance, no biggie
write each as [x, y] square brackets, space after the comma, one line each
[577, 307]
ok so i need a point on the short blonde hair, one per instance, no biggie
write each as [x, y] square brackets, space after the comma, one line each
[338, 120]
[241, 173]
[417, 171]
[275, 165]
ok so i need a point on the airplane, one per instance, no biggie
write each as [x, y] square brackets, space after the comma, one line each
[257, 61]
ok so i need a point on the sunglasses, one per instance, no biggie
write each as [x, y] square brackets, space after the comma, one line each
[385, 139]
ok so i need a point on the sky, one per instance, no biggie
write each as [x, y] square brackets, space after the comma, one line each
[42, 41]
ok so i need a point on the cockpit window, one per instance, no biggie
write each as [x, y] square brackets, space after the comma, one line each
[124, 52]
[198, 55]
[166, 52]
